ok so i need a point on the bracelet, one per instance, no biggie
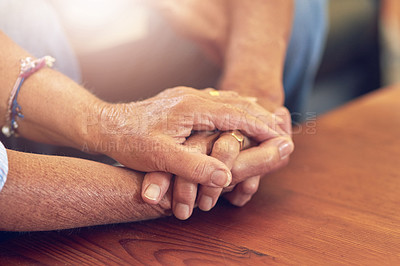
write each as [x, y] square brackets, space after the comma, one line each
[28, 67]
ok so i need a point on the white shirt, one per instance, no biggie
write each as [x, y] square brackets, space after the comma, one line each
[3, 165]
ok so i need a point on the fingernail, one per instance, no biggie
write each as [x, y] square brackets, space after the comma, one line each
[152, 192]
[221, 178]
[205, 203]
[285, 149]
[181, 211]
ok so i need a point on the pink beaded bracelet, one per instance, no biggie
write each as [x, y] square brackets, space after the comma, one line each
[28, 67]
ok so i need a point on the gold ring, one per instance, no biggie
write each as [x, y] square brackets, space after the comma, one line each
[237, 135]
[214, 93]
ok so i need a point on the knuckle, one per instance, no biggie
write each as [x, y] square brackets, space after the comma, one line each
[226, 107]
[269, 160]
[158, 163]
[225, 154]
[185, 192]
[247, 105]
[242, 113]
[232, 116]
[224, 148]
[250, 188]
[239, 172]
[233, 146]
[198, 171]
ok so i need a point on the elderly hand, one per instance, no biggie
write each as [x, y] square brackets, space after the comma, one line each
[272, 155]
[148, 135]
[246, 166]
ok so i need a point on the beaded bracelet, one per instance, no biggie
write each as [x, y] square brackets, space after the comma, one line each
[28, 67]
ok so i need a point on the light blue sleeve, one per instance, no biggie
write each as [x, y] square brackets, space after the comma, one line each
[3, 165]
[304, 53]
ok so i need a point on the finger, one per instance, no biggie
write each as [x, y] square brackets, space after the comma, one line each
[244, 109]
[184, 196]
[256, 110]
[226, 149]
[208, 197]
[154, 186]
[286, 125]
[184, 192]
[188, 162]
[226, 117]
[228, 111]
[248, 104]
[203, 141]
[243, 191]
[260, 160]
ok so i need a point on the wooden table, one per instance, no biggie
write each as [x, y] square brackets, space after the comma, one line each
[337, 202]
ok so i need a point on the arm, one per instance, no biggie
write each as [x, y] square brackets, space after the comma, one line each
[248, 39]
[146, 135]
[52, 192]
[255, 52]
[55, 108]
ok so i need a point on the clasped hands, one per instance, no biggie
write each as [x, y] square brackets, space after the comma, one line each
[177, 138]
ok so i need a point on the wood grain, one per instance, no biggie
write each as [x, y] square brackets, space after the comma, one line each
[338, 202]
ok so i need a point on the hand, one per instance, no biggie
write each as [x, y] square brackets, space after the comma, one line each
[148, 135]
[244, 190]
[247, 166]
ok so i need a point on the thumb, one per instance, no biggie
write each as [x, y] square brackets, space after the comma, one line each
[187, 162]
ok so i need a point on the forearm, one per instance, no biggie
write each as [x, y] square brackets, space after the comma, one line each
[49, 192]
[256, 49]
[56, 109]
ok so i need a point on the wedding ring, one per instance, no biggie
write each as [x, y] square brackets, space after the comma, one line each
[237, 135]
[214, 93]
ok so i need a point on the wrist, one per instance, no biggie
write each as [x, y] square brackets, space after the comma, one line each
[92, 127]
[106, 128]
[269, 94]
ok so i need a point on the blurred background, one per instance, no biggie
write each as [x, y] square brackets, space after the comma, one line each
[362, 50]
